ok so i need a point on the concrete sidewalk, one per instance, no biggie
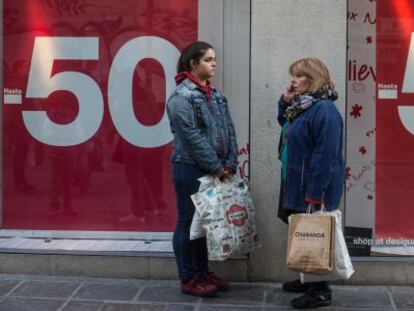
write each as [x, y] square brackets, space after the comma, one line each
[44, 293]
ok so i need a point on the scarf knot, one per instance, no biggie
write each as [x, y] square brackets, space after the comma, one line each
[304, 101]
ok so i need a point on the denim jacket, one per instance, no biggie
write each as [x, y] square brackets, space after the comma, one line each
[203, 129]
[315, 164]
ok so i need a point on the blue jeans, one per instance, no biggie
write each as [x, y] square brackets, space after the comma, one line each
[191, 256]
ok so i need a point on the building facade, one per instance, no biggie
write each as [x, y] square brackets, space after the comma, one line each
[86, 140]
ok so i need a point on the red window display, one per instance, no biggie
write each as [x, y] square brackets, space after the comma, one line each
[395, 119]
[380, 127]
[86, 141]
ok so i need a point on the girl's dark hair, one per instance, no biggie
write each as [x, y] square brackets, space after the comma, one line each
[194, 51]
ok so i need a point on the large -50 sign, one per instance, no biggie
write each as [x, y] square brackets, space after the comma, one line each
[86, 138]
[394, 120]
[42, 84]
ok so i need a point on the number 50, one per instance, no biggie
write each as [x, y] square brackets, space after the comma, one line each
[42, 84]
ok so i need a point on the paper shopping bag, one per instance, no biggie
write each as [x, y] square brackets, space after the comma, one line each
[310, 243]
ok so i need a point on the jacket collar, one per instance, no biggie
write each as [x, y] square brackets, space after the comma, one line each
[192, 83]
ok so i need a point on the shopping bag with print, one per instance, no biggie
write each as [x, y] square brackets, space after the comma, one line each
[197, 230]
[310, 242]
[227, 212]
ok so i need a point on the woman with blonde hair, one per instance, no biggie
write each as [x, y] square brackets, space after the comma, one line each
[310, 149]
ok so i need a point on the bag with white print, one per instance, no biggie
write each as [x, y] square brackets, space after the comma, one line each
[197, 230]
[227, 213]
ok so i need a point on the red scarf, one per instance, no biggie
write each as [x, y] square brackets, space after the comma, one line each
[181, 76]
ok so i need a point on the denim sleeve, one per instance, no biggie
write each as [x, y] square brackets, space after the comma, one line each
[181, 115]
[231, 159]
[282, 105]
[326, 130]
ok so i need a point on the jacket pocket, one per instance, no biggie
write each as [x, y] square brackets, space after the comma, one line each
[295, 187]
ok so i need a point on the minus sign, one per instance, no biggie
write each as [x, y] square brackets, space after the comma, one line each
[14, 99]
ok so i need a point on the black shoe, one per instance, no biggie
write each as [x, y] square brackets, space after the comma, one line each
[295, 287]
[308, 301]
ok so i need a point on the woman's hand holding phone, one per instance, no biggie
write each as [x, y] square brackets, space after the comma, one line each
[288, 94]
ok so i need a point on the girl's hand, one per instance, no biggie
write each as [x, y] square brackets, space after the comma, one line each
[227, 173]
[219, 174]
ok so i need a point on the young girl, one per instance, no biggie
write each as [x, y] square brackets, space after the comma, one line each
[204, 143]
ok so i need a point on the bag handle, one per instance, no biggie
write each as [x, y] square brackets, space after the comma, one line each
[311, 206]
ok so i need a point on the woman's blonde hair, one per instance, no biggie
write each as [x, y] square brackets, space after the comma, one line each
[313, 69]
